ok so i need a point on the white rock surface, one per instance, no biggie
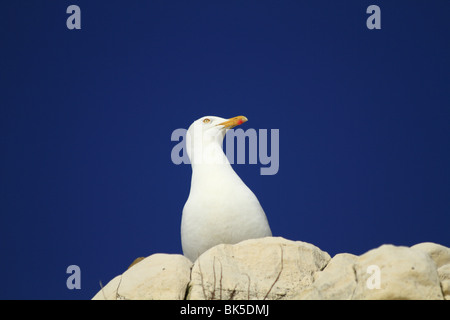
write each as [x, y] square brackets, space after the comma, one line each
[267, 268]
[439, 254]
[276, 268]
[157, 277]
[444, 278]
[336, 281]
[405, 273]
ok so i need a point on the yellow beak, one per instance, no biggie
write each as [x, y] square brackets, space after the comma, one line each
[233, 122]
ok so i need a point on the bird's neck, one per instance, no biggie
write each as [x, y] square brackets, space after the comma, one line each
[211, 161]
[205, 148]
[212, 171]
[208, 155]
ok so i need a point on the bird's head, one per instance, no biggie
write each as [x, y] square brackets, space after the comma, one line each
[209, 131]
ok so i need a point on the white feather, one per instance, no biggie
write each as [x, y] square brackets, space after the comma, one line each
[220, 207]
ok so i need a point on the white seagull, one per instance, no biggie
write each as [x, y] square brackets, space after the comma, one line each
[220, 207]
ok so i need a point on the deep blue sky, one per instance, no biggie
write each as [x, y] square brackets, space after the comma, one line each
[86, 118]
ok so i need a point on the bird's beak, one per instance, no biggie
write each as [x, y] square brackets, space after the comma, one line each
[233, 122]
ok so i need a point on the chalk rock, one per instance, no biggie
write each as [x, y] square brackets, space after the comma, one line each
[277, 268]
[157, 277]
[336, 282]
[387, 272]
[267, 268]
[404, 273]
[444, 277]
[439, 254]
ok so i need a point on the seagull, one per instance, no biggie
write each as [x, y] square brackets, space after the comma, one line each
[220, 208]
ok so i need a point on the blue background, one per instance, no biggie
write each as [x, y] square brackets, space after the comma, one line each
[86, 118]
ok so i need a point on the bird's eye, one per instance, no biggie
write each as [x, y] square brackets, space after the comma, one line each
[206, 120]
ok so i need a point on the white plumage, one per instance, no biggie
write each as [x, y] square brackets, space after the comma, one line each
[220, 207]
